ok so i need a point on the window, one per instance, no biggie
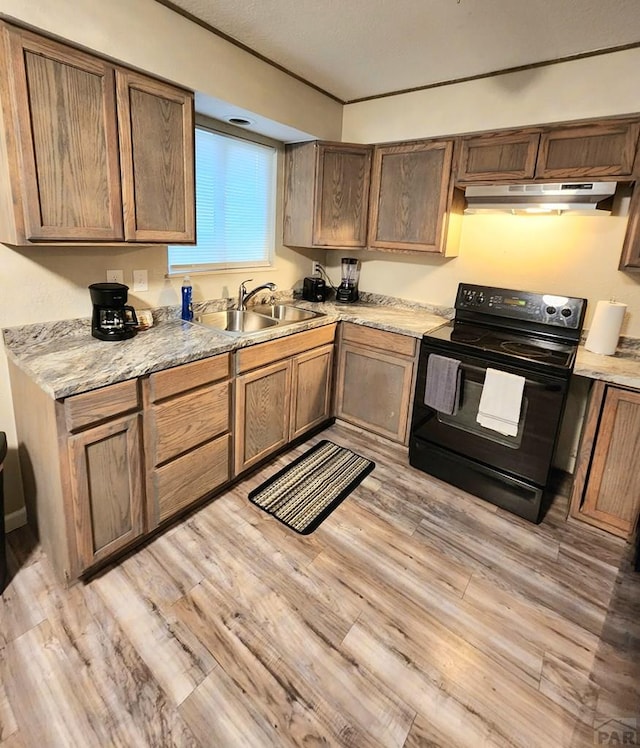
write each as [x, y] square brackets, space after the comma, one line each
[235, 205]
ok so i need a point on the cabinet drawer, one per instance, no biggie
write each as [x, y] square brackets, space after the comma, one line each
[98, 405]
[183, 481]
[186, 421]
[276, 350]
[170, 382]
[387, 341]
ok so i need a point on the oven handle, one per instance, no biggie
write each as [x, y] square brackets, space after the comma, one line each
[553, 386]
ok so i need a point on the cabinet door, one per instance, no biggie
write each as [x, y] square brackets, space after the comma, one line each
[409, 195]
[68, 142]
[374, 390]
[588, 151]
[612, 495]
[497, 156]
[311, 387]
[106, 476]
[341, 196]
[630, 258]
[262, 413]
[155, 123]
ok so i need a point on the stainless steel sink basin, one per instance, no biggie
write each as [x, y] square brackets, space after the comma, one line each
[234, 320]
[283, 313]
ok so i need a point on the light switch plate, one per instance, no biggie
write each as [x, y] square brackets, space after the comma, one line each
[140, 280]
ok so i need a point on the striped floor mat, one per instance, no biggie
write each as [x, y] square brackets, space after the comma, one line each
[305, 493]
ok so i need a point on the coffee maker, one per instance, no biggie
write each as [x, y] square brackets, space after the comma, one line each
[348, 288]
[112, 319]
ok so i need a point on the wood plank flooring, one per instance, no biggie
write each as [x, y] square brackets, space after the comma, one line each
[416, 615]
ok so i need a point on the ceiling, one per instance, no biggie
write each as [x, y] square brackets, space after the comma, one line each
[354, 49]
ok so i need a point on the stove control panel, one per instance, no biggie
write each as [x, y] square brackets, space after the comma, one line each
[526, 306]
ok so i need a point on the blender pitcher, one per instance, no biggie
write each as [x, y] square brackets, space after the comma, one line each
[348, 288]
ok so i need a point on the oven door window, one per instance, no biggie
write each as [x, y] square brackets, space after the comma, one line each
[465, 418]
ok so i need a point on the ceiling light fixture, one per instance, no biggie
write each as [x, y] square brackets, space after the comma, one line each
[239, 121]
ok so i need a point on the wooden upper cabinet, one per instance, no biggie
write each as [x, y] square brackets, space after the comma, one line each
[411, 197]
[326, 194]
[497, 156]
[597, 150]
[630, 259]
[90, 152]
[155, 123]
[62, 105]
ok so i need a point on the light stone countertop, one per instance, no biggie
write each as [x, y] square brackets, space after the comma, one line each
[64, 359]
[618, 369]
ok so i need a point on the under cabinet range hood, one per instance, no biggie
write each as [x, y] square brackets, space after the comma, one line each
[584, 198]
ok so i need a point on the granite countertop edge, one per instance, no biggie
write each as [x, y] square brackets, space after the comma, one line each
[63, 359]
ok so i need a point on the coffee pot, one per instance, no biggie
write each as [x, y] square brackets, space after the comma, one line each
[112, 319]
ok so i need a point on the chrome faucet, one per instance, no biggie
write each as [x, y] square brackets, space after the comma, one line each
[244, 296]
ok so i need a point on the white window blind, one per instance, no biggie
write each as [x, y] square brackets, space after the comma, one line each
[235, 205]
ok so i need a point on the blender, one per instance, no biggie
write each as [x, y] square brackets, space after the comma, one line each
[348, 288]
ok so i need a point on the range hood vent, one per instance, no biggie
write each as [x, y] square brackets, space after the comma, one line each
[586, 198]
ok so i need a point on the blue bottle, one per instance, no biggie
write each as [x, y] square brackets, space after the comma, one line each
[187, 305]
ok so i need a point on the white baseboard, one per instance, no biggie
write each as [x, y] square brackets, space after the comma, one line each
[15, 520]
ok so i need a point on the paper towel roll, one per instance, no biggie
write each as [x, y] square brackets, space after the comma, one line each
[605, 327]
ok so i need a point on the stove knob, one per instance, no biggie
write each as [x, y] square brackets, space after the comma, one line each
[551, 310]
[566, 312]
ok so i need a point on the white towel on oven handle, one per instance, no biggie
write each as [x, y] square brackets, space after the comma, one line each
[501, 402]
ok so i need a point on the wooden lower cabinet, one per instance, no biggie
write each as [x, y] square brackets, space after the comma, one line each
[81, 461]
[375, 380]
[106, 477]
[311, 389]
[285, 391]
[606, 490]
[262, 413]
[187, 411]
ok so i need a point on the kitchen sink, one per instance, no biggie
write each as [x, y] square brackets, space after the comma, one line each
[256, 319]
[233, 320]
[285, 314]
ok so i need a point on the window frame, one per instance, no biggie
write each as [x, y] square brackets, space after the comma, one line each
[221, 128]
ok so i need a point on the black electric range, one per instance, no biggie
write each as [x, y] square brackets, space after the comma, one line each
[531, 335]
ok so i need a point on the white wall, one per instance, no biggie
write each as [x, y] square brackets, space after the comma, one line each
[573, 255]
[593, 87]
[41, 284]
[149, 36]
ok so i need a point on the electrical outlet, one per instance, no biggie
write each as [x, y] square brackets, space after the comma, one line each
[115, 276]
[316, 268]
[140, 280]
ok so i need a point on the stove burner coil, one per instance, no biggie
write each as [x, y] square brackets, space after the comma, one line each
[464, 336]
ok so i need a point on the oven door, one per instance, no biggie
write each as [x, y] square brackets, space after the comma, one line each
[528, 454]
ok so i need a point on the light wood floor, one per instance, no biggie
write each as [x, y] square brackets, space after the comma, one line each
[414, 616]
